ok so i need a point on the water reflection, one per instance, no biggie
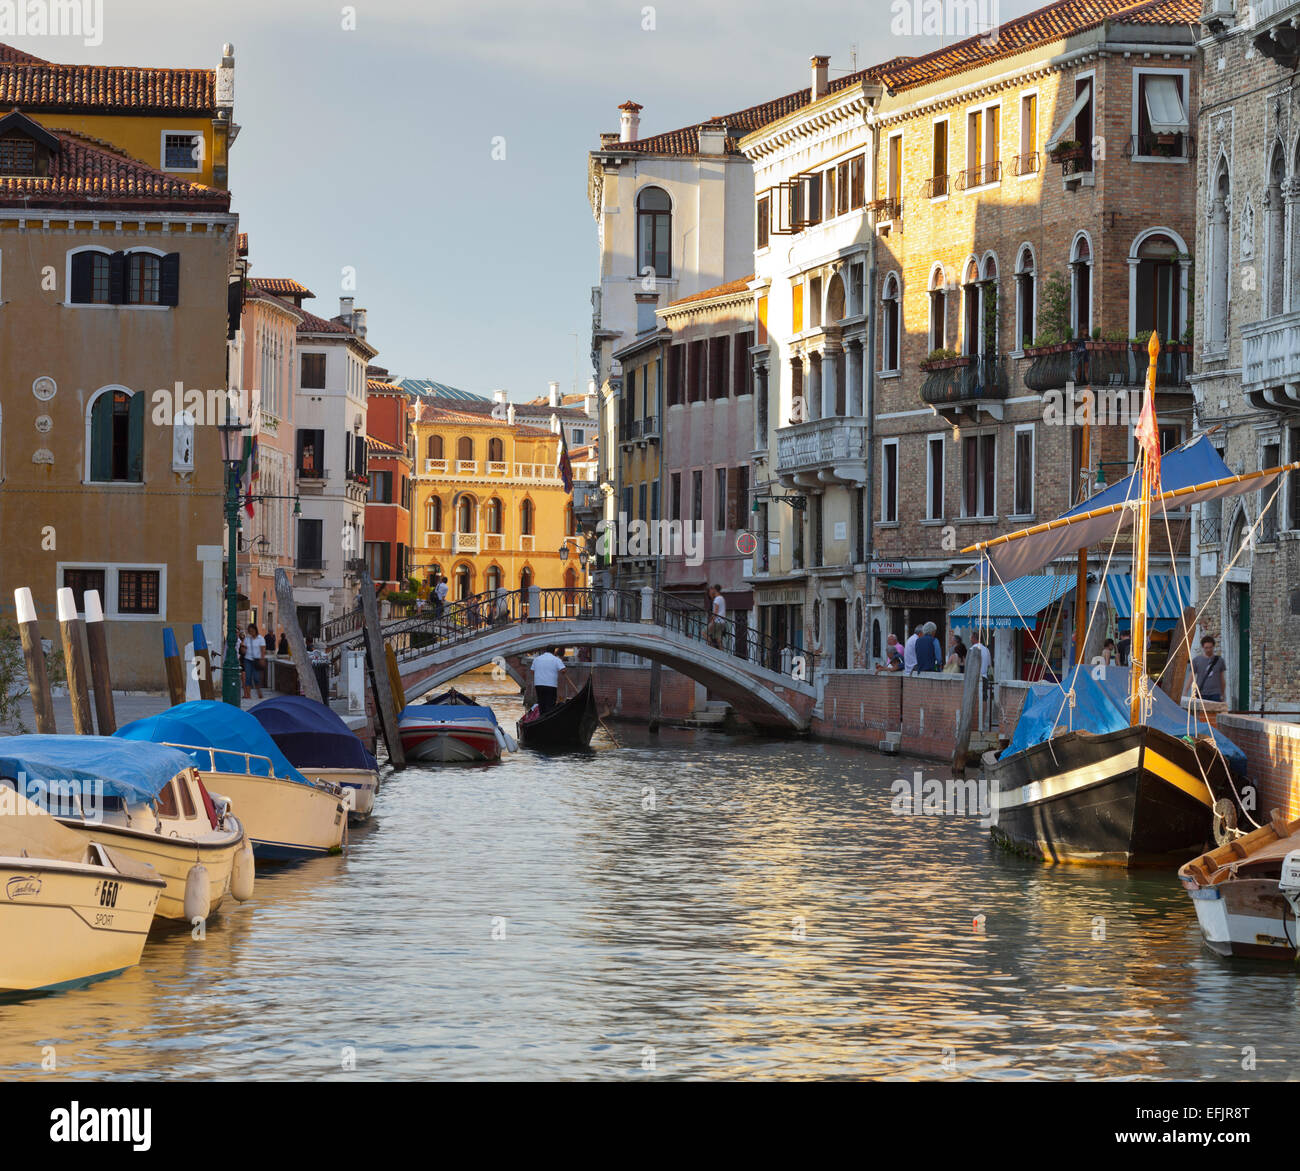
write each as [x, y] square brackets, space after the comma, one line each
[713, 906]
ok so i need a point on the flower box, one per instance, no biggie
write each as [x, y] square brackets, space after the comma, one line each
[947, 363]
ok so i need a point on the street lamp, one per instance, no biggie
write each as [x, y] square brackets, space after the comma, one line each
[232, 453]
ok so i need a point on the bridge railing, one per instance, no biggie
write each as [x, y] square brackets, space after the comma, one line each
[468, 619]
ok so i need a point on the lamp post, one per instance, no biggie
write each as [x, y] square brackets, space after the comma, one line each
[232, 452]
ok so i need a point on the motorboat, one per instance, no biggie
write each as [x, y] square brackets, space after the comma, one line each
[1240, 895]
[287, 816]
[451, 729]
[71, 910]
[145, 801]
[316, 741]
[570, 724]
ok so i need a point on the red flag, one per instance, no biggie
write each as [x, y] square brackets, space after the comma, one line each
[565, 467]
[1148, 437]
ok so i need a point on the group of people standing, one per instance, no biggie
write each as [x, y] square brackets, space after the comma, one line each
[923, 652]
[253, 651]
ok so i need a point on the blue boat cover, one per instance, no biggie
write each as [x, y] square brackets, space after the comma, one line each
[133, 772]
[310, 734]
[447, 711]
[1102, 705]
[204, 723]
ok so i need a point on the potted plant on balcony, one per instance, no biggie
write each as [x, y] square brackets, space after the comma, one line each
[1055, 334]
[944, 359]
[1070, 148]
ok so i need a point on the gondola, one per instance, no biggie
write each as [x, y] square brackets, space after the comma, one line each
[570, 724]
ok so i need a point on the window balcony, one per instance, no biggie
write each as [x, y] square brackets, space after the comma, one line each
[639, 431]
[1106, 364]
[1161, 146]
[1270, 362]
[960, 388]
[1276, 35]
[822, 451]
[466, 543]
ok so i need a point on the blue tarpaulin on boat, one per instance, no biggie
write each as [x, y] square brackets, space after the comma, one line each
[222, 727]
[1018, 603]
[1167, 596]
[310, 734]
[1102, 705]
[133, 772]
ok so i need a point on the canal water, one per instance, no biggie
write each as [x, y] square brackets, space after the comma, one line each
[692, 905]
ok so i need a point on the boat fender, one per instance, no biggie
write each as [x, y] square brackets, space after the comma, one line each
[198, 894]
[241, 872]
[350, 800]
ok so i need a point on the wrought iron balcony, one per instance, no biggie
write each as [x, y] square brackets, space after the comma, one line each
[1106, 364]
[1161, 146]
[961, 386]
[828, 451]
[1270, 362]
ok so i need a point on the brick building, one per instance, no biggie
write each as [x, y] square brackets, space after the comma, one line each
[1034, 189]
[1248, 341]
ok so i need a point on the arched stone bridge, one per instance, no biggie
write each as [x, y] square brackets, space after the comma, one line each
[772, 685]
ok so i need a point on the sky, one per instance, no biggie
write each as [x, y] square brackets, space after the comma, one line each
[368, 133]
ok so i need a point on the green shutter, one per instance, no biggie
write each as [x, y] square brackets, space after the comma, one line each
[135, 440]
[101, 437]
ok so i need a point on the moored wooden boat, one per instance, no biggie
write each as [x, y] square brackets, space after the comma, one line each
[451, 732]
[146, 802]
[71, 911]
[322, 747]
[1234, 888]
[287, 816]
[570, 724]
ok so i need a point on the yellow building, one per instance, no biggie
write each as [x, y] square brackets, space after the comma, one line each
[490, 509]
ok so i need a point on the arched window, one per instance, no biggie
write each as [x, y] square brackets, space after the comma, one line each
[971, 297]
[464, 448]
[464, 581]
[525, 578]
[494, 515]
[117, 437]
[1275, 236]
[1217, 270]
[496, 451]
[988, 341]
[492, 582]
[526, 518]
[938, 309]
[1157, 293]
[892, 324]
[654, 231]
[1026, 297]
[433, 515]
[91, 278]
[570, 526]
[143, 278]
[433, 447]
[835, 300]
[1081, 287]
[466, 516]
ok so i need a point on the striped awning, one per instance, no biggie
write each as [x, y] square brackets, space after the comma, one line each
[1167, 596]
[1016, 604]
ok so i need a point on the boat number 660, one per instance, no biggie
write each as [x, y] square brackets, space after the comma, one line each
[108, 894]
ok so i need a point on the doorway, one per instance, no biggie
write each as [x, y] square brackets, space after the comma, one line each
[1239, 616]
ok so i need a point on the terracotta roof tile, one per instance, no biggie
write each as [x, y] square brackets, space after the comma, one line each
[86, 171]
[1051, 23]
[39, 86]
[380, 447]
[282, 286]
[379, 386]
[313, 324]
[11, 56]
[737, 286]
[243, 243]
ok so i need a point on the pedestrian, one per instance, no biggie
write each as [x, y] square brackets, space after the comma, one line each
[546, 677]
[717, 617]
[909, 651]
[439, 595]
[956, 655]
[1208, 670]
[255, 650]
[1121, 651]
[929, 654]
[978, 654]
[1108, 652]
[893, 653]
[282, 649]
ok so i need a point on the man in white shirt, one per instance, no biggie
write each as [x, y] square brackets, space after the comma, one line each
[255, 649]
[909, 652]
[546, 677]
[978, 654]
[440, 596]
[718, 616]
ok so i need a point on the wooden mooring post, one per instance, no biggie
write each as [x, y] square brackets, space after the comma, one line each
[174, 667]
[74, 662]
[38, 683]
[297, 644]
[379, 679]
[101, 677]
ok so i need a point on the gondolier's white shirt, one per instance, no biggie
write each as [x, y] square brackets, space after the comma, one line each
[546, 670]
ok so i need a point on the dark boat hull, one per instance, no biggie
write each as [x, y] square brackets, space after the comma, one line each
[1133, 798]
[570, 724]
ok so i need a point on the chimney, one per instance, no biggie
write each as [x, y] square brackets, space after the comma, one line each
[629, 121]
[819, 77]
[646, 304]
[498, 396]
[713, 138]
[359, 323]
[345, 310]
[553, 394]
[608, 138]
[589, 400]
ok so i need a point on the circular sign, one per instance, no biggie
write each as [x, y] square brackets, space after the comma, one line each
[746, 544]
[44, 424]
[44, 388]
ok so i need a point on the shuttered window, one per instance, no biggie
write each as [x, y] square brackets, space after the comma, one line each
[117, 437]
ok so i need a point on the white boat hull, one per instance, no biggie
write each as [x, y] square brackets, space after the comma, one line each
[173, 858]
[1246, 917]
[363, 782]
[64, 923]
[285, 820]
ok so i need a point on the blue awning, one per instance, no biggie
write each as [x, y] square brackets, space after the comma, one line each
[1016, 604]
[1167, 597]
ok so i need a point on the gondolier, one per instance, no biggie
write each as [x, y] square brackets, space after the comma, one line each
[546, 677]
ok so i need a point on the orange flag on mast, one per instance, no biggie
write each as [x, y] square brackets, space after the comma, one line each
[1146, 432]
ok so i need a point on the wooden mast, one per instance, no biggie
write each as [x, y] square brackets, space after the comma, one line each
[1081, 577]
[1141, 551]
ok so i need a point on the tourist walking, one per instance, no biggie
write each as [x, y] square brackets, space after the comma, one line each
[909, 651]
[1208, 670]
[717, 617]
[255, 650]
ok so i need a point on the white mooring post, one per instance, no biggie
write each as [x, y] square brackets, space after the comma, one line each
[647, 604]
